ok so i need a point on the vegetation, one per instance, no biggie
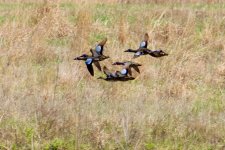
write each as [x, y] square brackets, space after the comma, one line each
[49, 101]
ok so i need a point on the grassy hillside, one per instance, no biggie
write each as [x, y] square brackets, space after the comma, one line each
[50, 101]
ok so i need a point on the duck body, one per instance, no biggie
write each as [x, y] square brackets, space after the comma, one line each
[158, 53]
[128, 65]
[116, 76]
[101, 57]
[99, 48]
[139, 52]
[142, 50]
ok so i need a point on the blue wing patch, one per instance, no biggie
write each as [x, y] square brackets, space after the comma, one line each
[124, 71]
[98, 49]
[143, 44]
[88, 61]
[138, 53]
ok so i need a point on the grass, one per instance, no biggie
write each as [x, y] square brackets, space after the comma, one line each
[49, 101]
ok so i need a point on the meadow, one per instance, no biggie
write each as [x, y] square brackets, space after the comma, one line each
[49, 101]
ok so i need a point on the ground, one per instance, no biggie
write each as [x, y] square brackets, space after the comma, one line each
[50, 101]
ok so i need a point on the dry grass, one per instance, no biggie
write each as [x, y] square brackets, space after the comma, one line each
[49, 101]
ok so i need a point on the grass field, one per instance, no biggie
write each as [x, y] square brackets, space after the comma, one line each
[50, 101]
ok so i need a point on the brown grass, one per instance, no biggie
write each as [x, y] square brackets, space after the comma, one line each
[49, 101]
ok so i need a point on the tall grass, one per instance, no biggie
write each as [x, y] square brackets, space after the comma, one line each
[49, 101]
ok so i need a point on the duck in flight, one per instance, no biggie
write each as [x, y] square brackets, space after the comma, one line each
[143, 50]
[95, 57]
[128, 65]
[116, 76]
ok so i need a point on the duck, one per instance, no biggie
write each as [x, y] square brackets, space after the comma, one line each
[90, 59]
[139, 52]
[142, 50]
[158, 53]
[128, 65]
[117, 75]
[95, 57]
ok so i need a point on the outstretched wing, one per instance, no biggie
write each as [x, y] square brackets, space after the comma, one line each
[136, 68]
[94, 53]
[88, 63]
[144, 43]
[106, 71]
[97, 64]
[129, 71]
[100, 47]
[102, 43]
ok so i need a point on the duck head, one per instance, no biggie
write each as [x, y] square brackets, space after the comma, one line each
[161, 52]
[129, 50]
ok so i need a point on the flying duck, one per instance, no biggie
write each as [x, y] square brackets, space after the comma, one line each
[158, 53]
[95, 57]
[116, 76]
[139, 52]
[142, 50]
[128, 65]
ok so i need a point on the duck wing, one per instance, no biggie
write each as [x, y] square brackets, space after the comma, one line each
[100, 47]
[129, 71]
[106, 71]
[94, 53]
[97, 64]
[127, 66]
[88, 63]
[136, 68]
[144, 43]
